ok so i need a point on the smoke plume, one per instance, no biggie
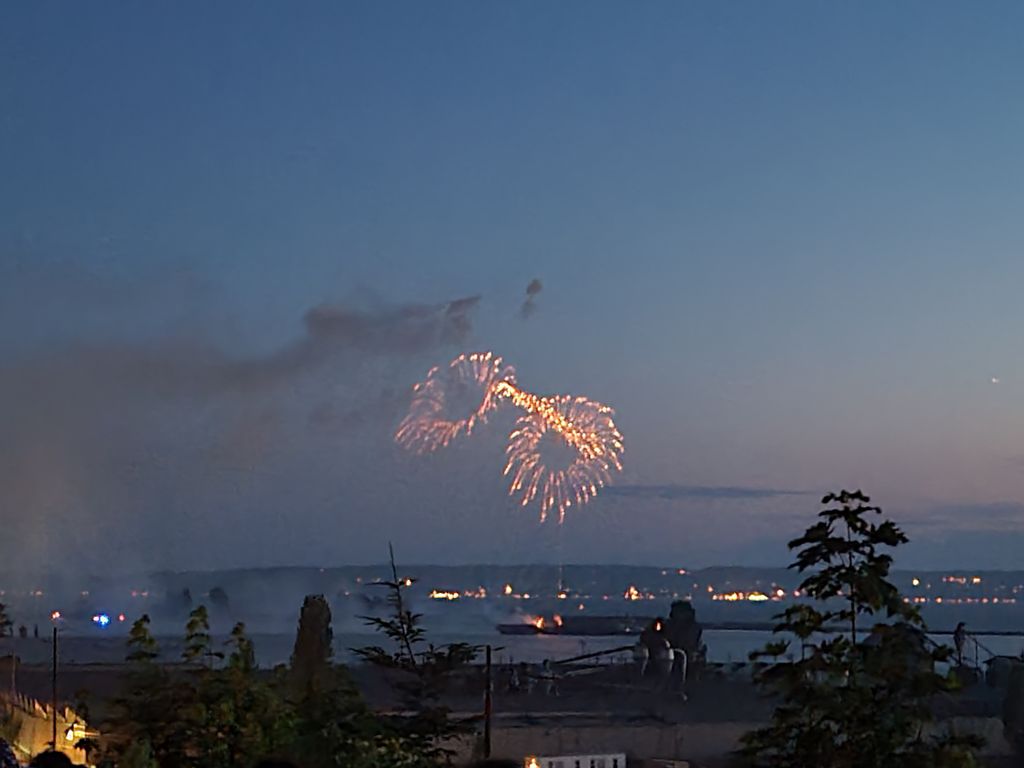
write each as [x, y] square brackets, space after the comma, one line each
[530, 303]
[167, 448]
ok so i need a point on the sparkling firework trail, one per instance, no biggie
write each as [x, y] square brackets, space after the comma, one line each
[584, 426]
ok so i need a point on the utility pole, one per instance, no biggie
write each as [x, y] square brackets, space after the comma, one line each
[488, 687]
[53, 699]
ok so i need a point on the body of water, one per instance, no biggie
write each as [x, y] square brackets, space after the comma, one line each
[723, 646]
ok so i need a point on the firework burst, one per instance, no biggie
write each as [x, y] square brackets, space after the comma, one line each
[581, 424]
[481, 380]
[467, 386]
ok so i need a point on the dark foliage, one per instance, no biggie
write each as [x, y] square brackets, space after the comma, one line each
[311, 656]
[420, 672]
[218, 710]
[850, 701]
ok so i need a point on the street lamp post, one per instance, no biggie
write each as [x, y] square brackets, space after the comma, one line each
[55, 616]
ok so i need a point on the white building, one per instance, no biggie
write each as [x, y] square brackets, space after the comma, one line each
[613, 760]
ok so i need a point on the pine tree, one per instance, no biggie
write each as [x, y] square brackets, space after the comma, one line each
[199, 712]
[850, 701]
[197, 639]
[142, 646]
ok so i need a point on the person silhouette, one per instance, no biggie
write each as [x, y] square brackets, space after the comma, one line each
[51, 759]
[960, 641]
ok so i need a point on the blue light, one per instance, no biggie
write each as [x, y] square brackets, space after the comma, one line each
[102, 619]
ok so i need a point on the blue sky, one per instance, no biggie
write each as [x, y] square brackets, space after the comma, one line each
[783, 240]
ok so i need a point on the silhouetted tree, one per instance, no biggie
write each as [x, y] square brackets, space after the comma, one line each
[421, 673]
[234, 715]
[197, 638]
[848, 702]
[198, 711]
[311, 656]
[243, 653]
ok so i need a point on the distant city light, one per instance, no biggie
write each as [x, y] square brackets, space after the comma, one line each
[101, 619]
[120, 617]
[915, 581]
[508, 589]
[55, 616]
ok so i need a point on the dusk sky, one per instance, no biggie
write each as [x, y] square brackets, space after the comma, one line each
[783, 240]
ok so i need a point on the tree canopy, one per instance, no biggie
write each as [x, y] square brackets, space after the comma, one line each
[860, 692]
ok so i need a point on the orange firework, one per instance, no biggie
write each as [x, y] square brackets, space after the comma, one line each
[473, 378]
[582, 424]
[585, 427]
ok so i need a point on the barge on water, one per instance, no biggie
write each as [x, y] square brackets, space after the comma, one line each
[581, 626]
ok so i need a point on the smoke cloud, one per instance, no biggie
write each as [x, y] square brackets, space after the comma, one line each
[147, 452]
[530, 304]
